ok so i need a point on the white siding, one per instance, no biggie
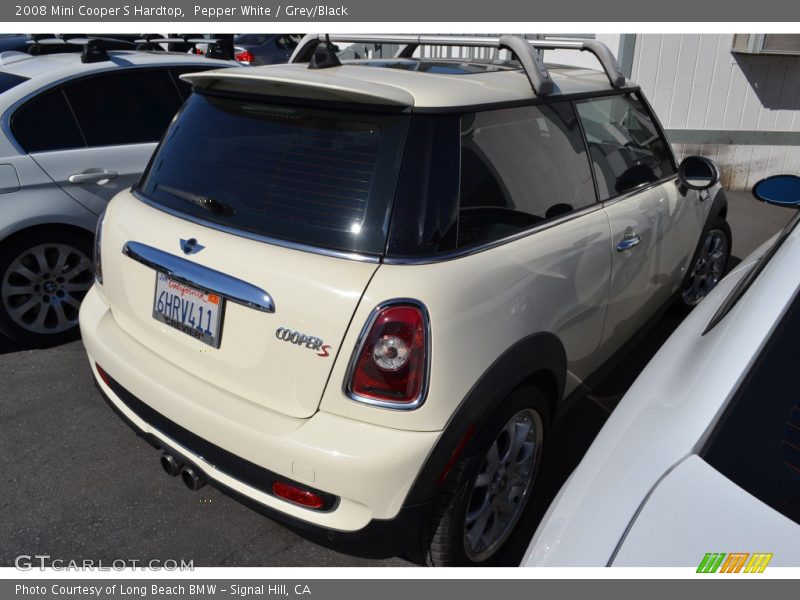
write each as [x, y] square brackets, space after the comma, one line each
[694, 82]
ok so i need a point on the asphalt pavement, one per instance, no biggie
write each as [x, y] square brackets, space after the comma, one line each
[78, 484]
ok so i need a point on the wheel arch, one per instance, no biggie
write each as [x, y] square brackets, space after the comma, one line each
[719, 207]
[538, 359]
[52, 227]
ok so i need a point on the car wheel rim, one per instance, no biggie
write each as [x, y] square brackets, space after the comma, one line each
[708, 269]
[43, 287]
[501, 489]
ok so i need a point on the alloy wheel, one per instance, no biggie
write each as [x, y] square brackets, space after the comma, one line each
[708, 268]
[43, 287]
[503, 484]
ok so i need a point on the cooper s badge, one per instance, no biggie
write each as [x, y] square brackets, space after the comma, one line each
[301, 339]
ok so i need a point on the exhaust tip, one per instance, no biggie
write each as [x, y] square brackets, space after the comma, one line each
[170, 465]
[192, 478]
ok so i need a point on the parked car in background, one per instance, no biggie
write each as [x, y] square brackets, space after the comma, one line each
[13, 41]
[77, 128]
[701, 458]
[265, 48]
[353, 295]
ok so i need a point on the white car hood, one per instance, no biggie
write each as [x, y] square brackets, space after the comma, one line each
[696, 510]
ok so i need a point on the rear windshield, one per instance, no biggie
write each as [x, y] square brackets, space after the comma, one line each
[8, 81]
[305, 175]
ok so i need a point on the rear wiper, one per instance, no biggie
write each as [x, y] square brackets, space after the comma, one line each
[210, 204]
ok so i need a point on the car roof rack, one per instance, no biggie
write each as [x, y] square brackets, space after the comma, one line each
[48, 43]
[526, 51]
[150, 42]
[93, 49]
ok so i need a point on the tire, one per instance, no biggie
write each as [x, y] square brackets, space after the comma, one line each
[708, 265]
[44, 276]
[461, 533]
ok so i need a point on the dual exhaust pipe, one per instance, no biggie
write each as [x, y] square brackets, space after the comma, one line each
[191, 476]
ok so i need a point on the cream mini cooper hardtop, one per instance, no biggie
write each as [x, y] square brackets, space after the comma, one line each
[354, 295]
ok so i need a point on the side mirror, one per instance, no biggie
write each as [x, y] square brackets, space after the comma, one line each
[780, 190]
[698, 172]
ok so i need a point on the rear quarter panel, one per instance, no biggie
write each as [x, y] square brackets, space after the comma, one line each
[553, 280]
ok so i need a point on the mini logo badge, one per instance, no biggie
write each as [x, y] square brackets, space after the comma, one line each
[190, 246]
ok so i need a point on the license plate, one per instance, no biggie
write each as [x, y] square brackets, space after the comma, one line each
[195, 312]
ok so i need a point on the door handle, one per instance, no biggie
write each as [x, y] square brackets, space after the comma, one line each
[629, 241]
[92, 176]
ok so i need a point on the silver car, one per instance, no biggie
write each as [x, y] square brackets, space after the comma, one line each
[77, 128]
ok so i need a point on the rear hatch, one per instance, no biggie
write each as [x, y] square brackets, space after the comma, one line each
[266, 221]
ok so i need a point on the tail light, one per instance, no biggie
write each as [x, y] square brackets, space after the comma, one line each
[245, 56]
[390, 366]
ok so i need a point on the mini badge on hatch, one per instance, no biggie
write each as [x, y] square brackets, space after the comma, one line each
[191, 246]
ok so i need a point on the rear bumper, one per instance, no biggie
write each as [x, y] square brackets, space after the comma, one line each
[239, 445]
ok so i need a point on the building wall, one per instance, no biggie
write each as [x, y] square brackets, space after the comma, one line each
[743, 111]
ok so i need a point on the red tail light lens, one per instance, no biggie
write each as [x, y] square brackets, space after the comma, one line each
[292, 493]
[390, 365]
[245, 56]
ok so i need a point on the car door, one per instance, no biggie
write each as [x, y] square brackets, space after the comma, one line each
[527, 168]
[114, 120]
[653, 223]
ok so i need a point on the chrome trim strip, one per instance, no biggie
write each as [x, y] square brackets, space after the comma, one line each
[185, 271]
[453, 254]
[255, 236]
[642, 188]
[362, 338]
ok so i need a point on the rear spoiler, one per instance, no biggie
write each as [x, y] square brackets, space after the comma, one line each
[313, 85]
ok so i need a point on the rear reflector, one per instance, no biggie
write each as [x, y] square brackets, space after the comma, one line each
[292, 493]
[103, 374]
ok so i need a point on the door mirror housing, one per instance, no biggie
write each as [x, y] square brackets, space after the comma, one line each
[698, 172]
[780, 190]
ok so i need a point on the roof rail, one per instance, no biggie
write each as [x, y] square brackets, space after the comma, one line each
[530, 60]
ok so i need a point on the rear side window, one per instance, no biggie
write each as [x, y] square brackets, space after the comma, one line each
[306, 175]
[8, 81]
[519, 168]
[626, 147]
[757, 442]
[124, 108]
[46, 123]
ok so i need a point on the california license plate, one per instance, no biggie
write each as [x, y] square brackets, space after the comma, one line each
[193, 311]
